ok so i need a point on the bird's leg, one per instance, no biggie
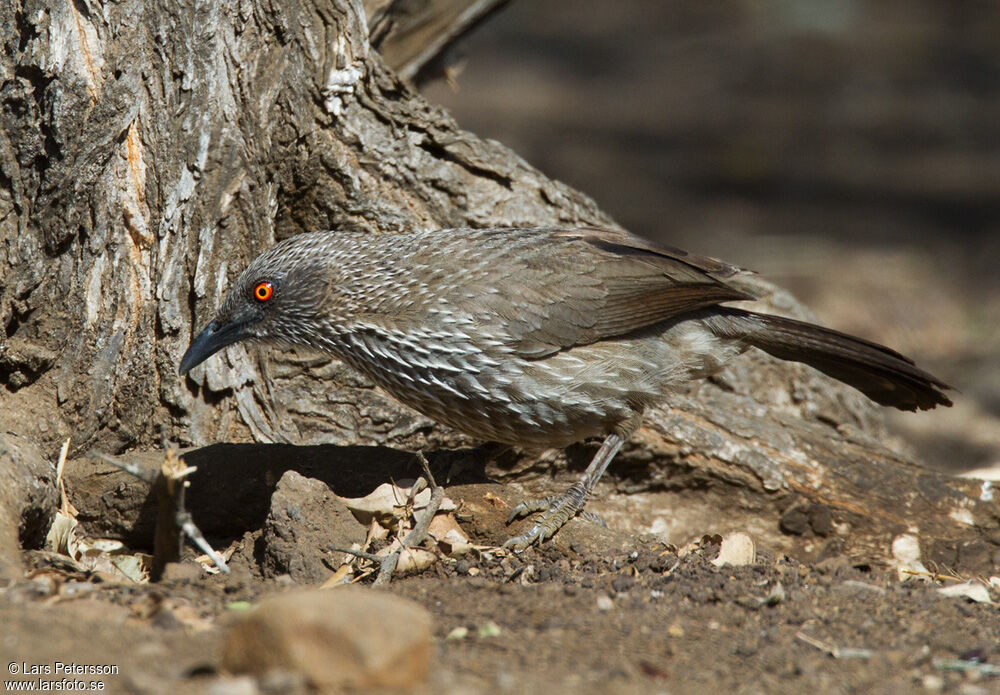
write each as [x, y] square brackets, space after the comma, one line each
[561, 508]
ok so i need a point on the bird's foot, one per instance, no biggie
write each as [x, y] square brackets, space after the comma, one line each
[556, 511]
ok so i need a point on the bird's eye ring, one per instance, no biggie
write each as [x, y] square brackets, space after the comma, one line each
[263, 291]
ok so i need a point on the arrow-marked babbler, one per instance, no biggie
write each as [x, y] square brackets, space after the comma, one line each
[532, 337]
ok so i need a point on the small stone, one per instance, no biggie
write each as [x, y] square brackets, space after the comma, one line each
[821, 520]
[972, 689]
[346, 637]
[458, 633]
[604, 603]
[242, 685]
[489, 629]
[795, 521]
[304, 521]
[675, 630]
[622, 583]
[933, 683]
[182, 572]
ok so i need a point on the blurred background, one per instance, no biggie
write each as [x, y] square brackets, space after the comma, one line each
[848, 150]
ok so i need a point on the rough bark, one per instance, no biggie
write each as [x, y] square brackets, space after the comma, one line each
[149, 150]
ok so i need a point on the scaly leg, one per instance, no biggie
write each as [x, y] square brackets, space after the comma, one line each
[561, 508]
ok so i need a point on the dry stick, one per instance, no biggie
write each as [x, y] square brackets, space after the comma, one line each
[172, 518]
[356, 553]
[835, 652]
[419, 532]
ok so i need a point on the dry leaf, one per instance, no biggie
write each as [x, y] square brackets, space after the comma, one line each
[62, 530]
[209, 566]
[906, 557]
[972, 590]
[136, 566]
[342, 576]
[388, 503]
[736, 550]
[446, 531]
[414, 560]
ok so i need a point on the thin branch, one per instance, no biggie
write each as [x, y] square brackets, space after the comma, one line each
[357, 553]
[416, 536]
[169, 484]
[189, 528]
[834, 651]
[144, 474]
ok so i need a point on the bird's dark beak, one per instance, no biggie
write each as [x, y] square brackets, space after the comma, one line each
[215, 337]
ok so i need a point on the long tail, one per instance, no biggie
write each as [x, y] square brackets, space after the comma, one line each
[883, 375]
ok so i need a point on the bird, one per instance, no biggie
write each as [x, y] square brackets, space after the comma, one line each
[533, 337]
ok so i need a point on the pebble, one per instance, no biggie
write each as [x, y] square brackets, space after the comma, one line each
[347, 637]
[304, 521]
[182, 572]
[622, 583]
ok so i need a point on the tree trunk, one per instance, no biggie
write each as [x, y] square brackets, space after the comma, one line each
[149, 150]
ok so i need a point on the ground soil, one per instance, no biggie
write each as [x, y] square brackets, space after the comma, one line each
[593, 610]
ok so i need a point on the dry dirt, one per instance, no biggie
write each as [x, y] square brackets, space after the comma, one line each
[594, 610]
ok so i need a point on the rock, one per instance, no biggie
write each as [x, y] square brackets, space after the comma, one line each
[821, 520]
[347, 637]
[304, 521]
[622, 583]
[794, 521]
[28, 501]
[182, 572]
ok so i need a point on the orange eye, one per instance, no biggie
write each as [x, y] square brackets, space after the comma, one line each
[263, 291]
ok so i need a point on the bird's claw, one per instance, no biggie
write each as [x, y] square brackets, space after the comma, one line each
[556, 511]
[531, 506]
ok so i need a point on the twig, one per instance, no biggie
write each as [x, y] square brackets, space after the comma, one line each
[144, 474]
[835, 652]
[189, 528]
[965, 665]
[416, 536]
[357, 553]
[60, 467]
[169, 483]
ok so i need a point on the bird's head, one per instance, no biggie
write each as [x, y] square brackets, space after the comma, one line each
[275, 300]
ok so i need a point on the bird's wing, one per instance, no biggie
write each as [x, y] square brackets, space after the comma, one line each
[548, 290]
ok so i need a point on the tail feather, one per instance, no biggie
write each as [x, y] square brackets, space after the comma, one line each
[882, 374]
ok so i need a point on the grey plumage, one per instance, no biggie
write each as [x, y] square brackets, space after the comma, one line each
[533, 337]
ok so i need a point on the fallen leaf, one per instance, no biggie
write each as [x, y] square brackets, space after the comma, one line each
[972, 590]
[62, 530]
[736, 550]
[136, 566]
[342, 576]
[494, 500]
[410, 559]
[446, 531]
[389, 502]
[906, 558]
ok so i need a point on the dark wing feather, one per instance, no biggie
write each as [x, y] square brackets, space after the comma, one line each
[564, 287]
